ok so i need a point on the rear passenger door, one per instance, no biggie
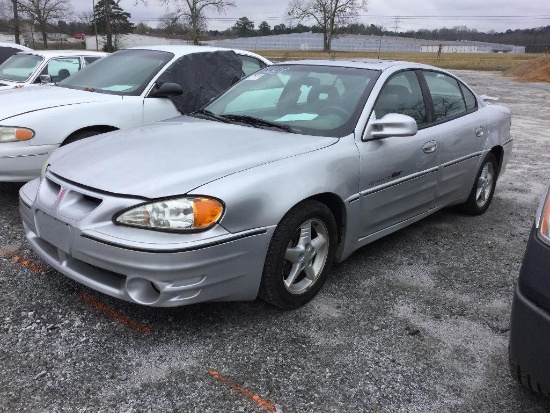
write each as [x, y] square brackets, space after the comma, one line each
[460, 133]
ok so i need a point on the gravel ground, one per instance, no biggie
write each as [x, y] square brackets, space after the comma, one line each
[415, 322]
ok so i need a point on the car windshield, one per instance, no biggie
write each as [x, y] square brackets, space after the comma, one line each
[20, 67]
[127, 72]
[312, 100]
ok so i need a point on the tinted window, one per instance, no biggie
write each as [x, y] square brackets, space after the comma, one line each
[250, 65]
[446, 95]
[471, 102]
[91, 59]
[402, 94]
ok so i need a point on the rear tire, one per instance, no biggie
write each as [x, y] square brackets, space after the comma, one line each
[483, 190]
[300, 255]
[526, 380]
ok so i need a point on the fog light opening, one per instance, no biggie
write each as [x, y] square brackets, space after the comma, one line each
[142, 291]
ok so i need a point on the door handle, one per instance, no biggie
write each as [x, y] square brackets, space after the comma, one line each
[429, 147]
[479, 131]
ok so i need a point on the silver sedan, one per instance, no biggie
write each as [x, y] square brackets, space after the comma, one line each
[290, 170]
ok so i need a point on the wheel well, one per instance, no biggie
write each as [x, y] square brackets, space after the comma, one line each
[98, 128]
[336, 206]
[498, 151]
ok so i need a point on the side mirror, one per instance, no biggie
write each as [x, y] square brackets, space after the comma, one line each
[45, 79]
[167, 90]
[393, 124]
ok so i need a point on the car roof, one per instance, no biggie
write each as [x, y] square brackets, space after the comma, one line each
[182, 50]
[373, 64]
[62, 53]
[15, 46]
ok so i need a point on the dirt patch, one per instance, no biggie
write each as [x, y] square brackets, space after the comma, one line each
[537, 70]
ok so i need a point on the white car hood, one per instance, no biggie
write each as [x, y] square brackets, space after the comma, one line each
[15, 102]
[174, 157]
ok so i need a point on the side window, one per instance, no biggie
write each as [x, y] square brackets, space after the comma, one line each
[446, 95]
[62, 68]
[402, 94]
[471, 102]
[250, 65]
[90, 59]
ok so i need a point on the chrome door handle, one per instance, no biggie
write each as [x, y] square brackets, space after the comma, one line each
[429, 147]
[479, 131]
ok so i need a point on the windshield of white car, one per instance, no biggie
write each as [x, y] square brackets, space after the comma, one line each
[126, 72]
[20, 67]
[305, 99]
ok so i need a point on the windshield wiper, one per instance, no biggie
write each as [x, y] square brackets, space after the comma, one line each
[251, 120]
[210, 115]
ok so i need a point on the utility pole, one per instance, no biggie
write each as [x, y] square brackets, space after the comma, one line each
[95, 26]
[396, 24]
[108, 29]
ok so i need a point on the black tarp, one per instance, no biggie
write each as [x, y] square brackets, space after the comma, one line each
[6, 52]
[202, 76]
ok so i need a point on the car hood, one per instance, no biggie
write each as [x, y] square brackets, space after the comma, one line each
[32, 98]
[174, 157]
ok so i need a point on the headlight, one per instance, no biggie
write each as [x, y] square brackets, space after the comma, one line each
[543, 219]
[188, 214]
[14, 134]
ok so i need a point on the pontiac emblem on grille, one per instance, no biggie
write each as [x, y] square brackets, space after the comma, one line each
[60, 196]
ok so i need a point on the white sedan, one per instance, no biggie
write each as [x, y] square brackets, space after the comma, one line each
[127, 88]
[27, 68]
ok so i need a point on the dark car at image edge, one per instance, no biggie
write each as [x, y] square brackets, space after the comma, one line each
[530, 320]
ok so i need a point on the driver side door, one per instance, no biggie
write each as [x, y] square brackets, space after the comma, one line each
[398, 175]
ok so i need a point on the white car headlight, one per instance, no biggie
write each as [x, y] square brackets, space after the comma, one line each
[186, 214]
[543, 219]
[14, 134]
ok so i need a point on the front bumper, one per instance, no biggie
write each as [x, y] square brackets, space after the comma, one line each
[530, 320]
[169, 270]
[21, 162]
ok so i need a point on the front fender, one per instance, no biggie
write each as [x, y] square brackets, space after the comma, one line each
[53, 125]
[261, 196]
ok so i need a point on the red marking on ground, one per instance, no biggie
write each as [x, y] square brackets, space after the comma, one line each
[234, 386]
[114, 314]
[22, 261]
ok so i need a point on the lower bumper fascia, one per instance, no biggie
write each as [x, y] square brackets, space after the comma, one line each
[229, 271]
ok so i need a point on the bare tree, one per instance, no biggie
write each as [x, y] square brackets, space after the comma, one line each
[328, 14]
[9, 10]
[42, 12]
[193, 13]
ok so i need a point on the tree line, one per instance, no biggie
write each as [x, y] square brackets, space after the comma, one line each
[188, 18]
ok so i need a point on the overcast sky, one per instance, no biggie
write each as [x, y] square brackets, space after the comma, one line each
[483, 15]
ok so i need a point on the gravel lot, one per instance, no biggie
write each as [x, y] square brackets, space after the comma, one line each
[416, 322]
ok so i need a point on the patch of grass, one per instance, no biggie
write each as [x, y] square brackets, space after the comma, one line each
[465, 61]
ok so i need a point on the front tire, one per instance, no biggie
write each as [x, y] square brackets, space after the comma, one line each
[483, 190]
[300, 255]
[80, 135]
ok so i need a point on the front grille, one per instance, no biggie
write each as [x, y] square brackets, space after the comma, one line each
[69, 201]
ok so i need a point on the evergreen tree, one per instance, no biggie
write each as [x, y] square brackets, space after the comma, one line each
[112, 21]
